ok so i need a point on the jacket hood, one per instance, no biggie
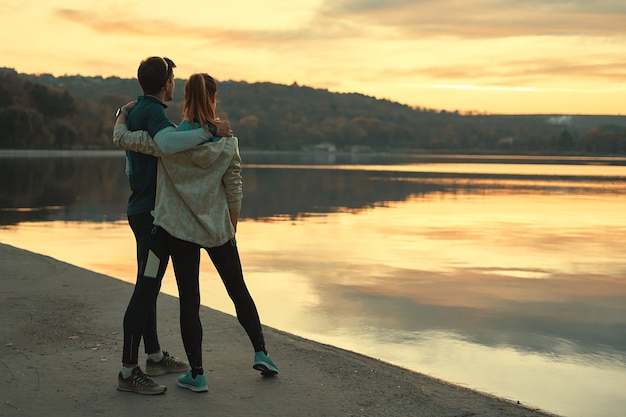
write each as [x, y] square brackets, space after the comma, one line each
[206, 154]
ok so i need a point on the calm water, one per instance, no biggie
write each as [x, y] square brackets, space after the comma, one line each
[503, 275]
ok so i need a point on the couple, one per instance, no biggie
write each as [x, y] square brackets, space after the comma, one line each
[190, 179]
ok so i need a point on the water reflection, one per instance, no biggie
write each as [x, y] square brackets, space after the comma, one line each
[93, 187]
[84, 188]
[512, 284]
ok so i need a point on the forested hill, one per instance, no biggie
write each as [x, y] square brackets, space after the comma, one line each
[75, 112]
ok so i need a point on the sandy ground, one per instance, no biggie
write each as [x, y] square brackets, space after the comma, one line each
[60, 352]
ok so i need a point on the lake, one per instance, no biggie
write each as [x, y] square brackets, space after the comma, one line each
[502, 274]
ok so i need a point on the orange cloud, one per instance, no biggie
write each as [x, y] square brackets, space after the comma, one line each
[108, 25]
[171, 29]
[523, 72]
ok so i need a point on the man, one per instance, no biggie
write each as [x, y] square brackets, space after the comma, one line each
[154, 245]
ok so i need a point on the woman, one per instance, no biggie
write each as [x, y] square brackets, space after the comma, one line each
[198, 200]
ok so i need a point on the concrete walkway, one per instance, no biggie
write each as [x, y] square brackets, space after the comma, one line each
[60, 352]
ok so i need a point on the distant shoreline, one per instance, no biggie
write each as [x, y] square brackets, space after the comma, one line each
[416, 156]
[43, 153]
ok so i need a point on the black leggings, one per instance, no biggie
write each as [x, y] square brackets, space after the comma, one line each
[154, 247]
[226, 260]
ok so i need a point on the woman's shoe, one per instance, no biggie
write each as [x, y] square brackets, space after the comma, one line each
[263, 363]
[197, 384]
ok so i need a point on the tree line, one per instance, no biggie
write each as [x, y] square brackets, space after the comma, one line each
[75, 112]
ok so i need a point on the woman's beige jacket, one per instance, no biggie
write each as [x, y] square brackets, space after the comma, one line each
[196, 189]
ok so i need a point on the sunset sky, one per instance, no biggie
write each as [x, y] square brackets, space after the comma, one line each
[495, 56]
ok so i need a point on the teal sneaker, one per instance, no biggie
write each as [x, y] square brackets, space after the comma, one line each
[263, 363]
[197, 384]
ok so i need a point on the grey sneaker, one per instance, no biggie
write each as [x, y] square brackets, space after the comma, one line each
[140, 383]
[166, 365]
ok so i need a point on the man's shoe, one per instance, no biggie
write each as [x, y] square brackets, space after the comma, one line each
[197, 384]
[140, 383]
[263, 363]
[166, 365]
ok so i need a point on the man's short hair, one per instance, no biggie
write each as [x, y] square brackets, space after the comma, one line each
[153, 73]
